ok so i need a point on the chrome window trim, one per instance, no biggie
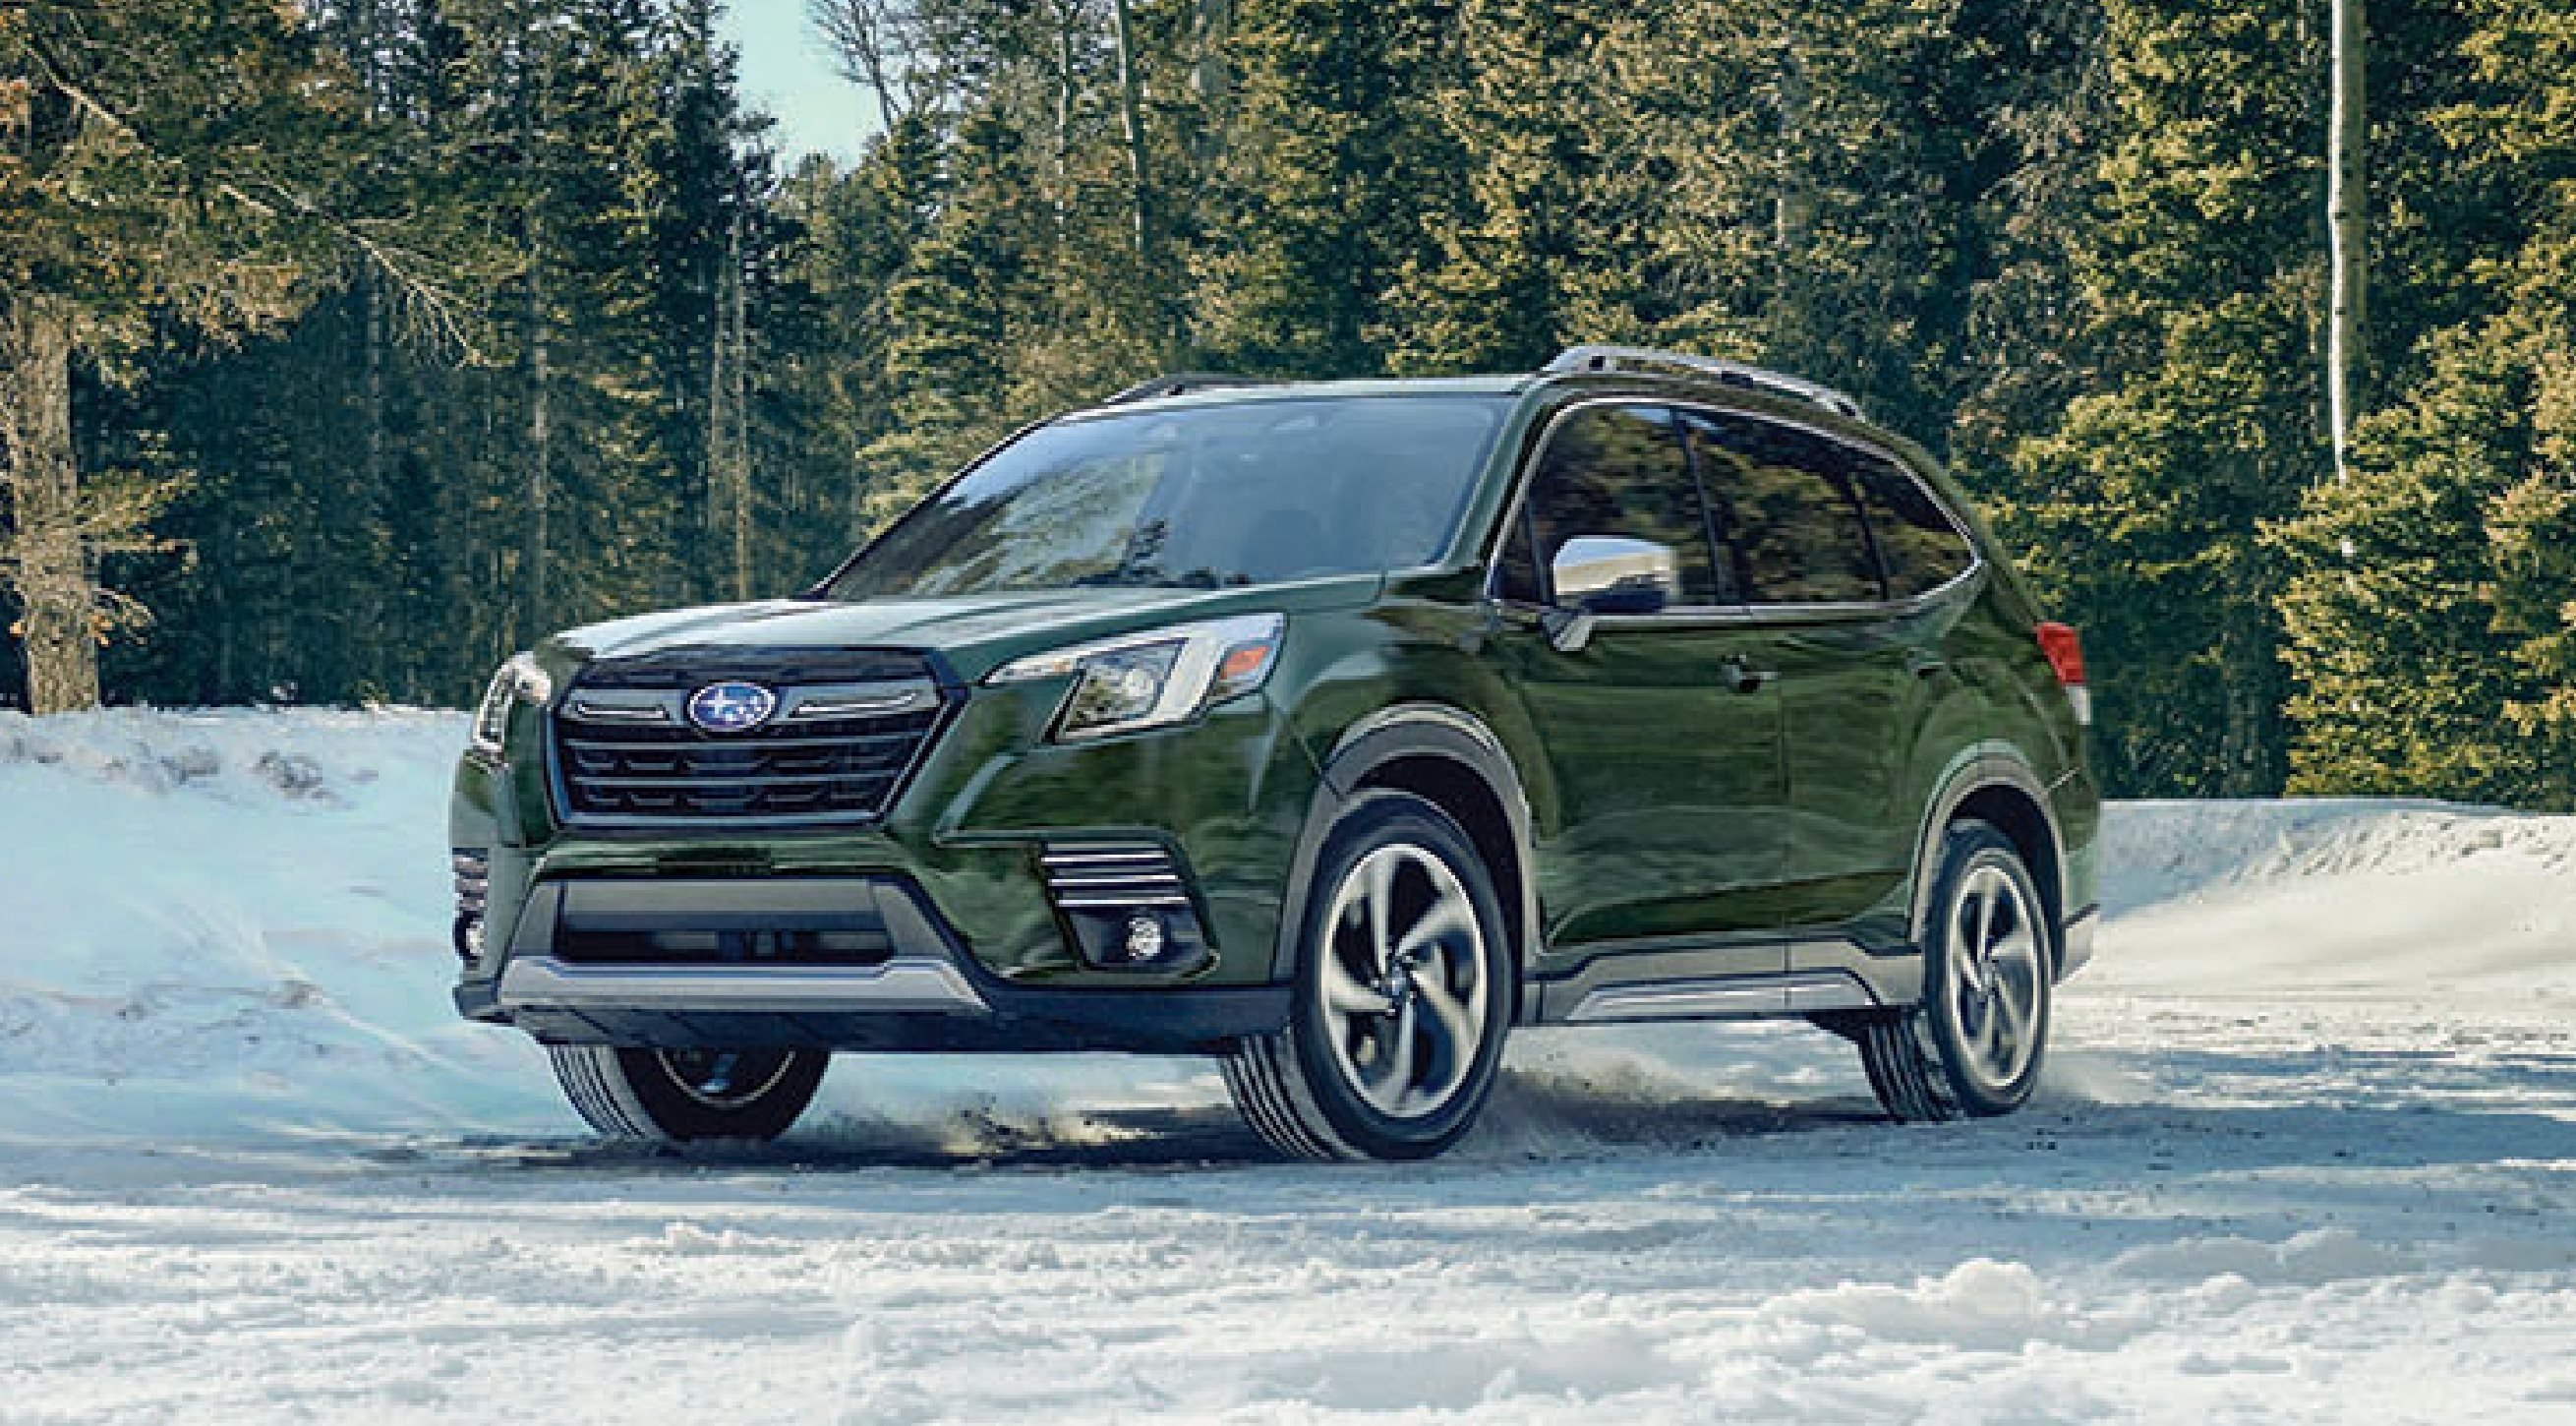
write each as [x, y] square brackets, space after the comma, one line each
[1727, 613]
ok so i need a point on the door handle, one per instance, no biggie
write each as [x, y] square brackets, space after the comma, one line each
[1925, 665]
[1748, 680]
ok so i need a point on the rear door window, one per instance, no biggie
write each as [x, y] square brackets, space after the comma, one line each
[1789, 509]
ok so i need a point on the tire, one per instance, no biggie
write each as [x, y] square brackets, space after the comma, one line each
[685, 1096]
[1975, 1044]
[1404, 991]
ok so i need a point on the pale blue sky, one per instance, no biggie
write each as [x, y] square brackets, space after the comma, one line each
[787, 73]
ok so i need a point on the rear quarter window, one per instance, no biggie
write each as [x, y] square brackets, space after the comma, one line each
[1918, 542]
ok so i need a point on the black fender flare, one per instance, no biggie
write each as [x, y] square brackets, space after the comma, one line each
[1402, 732]
[1978, 768]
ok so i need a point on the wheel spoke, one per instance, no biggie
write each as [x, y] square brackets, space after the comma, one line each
[2012, 1025]
[1452, 1025]
[1965, 966]
[1381, 906]
[1400, 1080]
[1448, 916]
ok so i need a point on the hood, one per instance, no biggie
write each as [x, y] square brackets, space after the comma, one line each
[975, 633]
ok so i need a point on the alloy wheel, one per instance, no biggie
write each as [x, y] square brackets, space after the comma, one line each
[1404, 982]
[1996, 975]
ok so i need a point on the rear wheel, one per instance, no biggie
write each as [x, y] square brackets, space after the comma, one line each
[681, 1096]
[1975, 1044]
[1403, 991]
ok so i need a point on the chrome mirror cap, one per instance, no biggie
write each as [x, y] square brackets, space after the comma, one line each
[1616, 574]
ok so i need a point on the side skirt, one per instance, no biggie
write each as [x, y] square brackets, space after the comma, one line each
[1727, 998]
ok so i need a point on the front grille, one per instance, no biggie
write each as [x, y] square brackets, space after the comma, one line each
[846, 728]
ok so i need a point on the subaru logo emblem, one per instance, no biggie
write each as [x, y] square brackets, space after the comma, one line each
[731, 707]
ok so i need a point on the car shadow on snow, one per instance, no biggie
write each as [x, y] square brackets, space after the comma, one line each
[1529, 1118]
[2318, 1117]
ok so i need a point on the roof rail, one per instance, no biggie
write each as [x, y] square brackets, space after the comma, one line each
[1755, 378]
[1178, 382]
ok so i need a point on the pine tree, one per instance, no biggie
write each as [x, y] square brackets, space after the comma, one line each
[2144, 512]
[194, 164]
[2431, 625]
[1332, 154]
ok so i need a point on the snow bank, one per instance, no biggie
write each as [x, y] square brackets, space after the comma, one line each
[2340, 898]
[235, 923]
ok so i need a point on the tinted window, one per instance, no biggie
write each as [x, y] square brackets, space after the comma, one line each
[1789, 512]
[1919, 546]
[1620, 470]
[1246, 492]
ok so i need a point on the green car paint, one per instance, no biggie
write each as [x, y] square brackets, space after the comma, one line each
[1746, 791]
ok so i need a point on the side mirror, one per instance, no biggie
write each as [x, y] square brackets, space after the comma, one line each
[1614, 574]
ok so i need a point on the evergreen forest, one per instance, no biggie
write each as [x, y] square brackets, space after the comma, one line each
[348, 345]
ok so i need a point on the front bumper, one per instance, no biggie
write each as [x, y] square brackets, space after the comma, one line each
[709, 963]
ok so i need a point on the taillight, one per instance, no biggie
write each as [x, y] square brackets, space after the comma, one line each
[2066, 655]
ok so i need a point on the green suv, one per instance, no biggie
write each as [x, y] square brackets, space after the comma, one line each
[1330, 729]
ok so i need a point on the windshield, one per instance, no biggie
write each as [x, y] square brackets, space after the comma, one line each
[1201, 497]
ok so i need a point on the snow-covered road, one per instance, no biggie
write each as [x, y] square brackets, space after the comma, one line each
[2307, 1151]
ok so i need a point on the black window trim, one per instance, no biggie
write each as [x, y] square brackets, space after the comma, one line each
[1728, 613]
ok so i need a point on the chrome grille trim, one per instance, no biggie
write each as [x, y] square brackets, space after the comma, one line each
[850, 728]
[1112, 876]
[472, 870]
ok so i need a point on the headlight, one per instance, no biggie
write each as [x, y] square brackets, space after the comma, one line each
[518, 681]
[1155, 678]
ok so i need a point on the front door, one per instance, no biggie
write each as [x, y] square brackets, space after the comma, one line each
[1659, 814]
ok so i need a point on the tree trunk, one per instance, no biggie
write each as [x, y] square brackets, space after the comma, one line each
[50, 567]
[2347, 220]
[540, 440]
[1068, 19]
[1210, 76]
[1794, 206]
[1131, 108]
[741, 394]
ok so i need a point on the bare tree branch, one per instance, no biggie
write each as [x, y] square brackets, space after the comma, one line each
[438, 310]
[873, 42]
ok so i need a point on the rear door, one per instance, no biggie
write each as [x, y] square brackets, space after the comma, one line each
[1660, 806]
[1846, 664]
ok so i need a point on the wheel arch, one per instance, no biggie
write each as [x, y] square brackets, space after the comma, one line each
[1452, 760]
[1997, 786]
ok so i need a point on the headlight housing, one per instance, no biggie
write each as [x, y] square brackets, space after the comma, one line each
[518, 681]
[1156, 678]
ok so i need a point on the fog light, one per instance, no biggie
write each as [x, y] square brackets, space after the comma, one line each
[1159, 940]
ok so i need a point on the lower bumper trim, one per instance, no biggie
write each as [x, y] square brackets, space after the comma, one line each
[905, 983]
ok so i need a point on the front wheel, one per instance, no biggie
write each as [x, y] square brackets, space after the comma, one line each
[1975, 1044]
[683, 1096]
[1404, 987]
